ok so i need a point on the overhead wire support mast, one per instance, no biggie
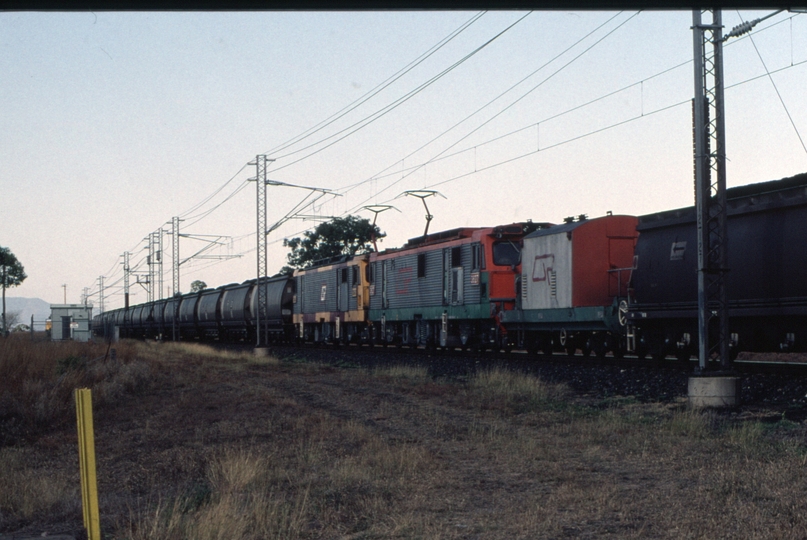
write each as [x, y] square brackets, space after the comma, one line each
[175, 275]
[126, 279]
[710, 190]
[261, 163]
[176, 235]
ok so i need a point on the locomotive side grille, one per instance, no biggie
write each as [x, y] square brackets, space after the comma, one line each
[553, 283]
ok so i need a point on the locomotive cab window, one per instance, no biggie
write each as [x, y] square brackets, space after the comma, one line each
[421, 265]
[506, 253]
[354, 275]
[343, 275]
[368, 273]
[476, 256]
[456, 256]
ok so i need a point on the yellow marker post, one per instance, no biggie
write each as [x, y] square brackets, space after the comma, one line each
[86, 456]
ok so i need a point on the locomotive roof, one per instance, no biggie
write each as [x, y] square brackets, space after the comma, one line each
[566, 227]
[749, 198]
[556, 229]
[512, 229]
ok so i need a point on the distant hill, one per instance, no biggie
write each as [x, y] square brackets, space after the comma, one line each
[27, 307]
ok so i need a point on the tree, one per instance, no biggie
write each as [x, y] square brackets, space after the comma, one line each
[198, 285]
[350, 235]
[11, 275]
[13, 319]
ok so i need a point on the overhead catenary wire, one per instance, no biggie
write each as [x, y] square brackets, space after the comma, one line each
[524, 95]
[370, 118]
[768, 74]
[389, 107]
[380, 87]
[641, 116]
[776, 89]
[477, 111]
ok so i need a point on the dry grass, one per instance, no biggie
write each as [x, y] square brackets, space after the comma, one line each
[514, 392]
[212, 445]
[37, 381]
[28, 493]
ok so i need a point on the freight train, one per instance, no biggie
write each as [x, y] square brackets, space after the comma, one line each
[614, 284]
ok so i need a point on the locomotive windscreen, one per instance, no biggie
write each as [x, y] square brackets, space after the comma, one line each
[506, 253]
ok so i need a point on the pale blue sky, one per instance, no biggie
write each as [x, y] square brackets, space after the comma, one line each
[112, 123]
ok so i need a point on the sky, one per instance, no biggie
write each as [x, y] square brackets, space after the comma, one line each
[111, 124]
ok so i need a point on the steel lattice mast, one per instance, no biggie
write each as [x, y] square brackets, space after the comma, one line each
[175, 273]
[126, 279]
[158, 237]
[100, 294]
[710, 189]
[261, 162]
[150, 261]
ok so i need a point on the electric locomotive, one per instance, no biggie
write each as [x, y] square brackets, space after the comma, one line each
[573, 287]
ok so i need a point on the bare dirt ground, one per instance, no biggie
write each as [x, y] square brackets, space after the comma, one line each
[332, 452]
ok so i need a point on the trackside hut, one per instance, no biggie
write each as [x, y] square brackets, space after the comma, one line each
[71, 321]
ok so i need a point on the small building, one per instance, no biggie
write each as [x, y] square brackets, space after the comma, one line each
[71, 321]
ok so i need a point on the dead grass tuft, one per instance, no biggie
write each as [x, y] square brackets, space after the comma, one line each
[408, 374]
[37, 381]
[27, 493]
[515, 392]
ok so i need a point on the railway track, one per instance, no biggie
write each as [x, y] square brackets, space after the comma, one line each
[780, 387]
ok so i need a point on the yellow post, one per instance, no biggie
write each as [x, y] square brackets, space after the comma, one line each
[86, 456]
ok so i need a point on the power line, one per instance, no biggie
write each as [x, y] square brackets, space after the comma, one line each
[383, 85]
[209, 197]
[524, 95]
[376, 176]
[779, 95]
[441, 155]
[389, 107]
